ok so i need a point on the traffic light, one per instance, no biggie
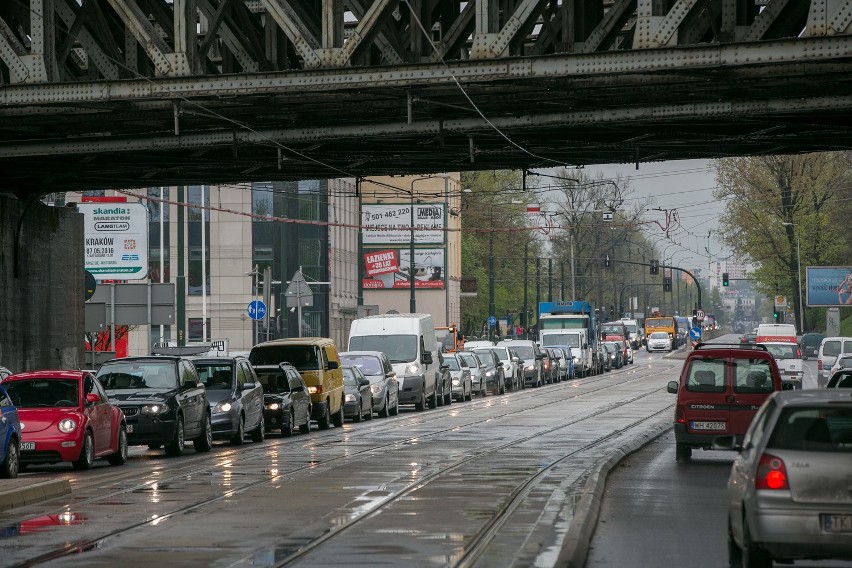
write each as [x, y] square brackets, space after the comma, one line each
[606, 261]
[655, 267]
[667, 283]
[775, 315]
[724, 279]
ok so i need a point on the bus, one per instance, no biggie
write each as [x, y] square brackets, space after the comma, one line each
[661, 323]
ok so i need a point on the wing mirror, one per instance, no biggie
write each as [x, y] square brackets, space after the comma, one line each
[332, 365]
[426, 358]
[363, 382]
[248, 386]
[672, 387]
[93, 398]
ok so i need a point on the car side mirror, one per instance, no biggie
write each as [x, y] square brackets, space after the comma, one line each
[390, 375]
[363, 382]
[248, 386]
[332, 365]
[426, 358]
[299, 388]
[672, 387]
[93, 398]
[445, 367]
[585, 346]
[540, 356]
[189, 385]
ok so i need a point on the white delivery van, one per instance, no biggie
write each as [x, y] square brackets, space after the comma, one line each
[409, 342]
[776, 333]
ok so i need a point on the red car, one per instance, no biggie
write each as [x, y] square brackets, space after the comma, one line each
[66, 417]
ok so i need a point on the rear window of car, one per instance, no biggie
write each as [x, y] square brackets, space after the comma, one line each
[784, 351]
[816, 429]
[752, 376]
[706, 375]
[831, 348]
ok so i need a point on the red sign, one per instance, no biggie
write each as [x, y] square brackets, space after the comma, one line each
[533, 208]
[103, 199]
[381, 262]
[371, 284]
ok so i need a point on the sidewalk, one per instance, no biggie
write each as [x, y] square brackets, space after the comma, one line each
[25, 491]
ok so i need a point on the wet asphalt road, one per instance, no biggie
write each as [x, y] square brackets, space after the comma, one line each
[492, 482]
[658, 513]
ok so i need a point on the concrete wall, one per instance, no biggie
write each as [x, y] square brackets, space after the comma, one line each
[41, 308]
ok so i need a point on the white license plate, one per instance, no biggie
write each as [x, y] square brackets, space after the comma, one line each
[837, 523]
[129, 428]
[708, 426]
[27, 446]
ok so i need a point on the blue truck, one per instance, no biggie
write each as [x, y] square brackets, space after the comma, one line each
[572, 324]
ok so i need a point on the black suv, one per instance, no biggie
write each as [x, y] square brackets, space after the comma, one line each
[162, 399]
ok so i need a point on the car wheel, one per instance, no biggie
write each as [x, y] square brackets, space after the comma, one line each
[752, 555]
[204, 441]
[421, 404]
[337, 419]
[469, 396]
[287, 424]
[120, 456]
[482, 390]
[239, 437]
[448, 397]
[324, 421]
[259, 433]
[433, 399]
[87, 453]
[683, 453]
[439, 396]
[385, 411]
[12, 463]
[359, 416]
[369, 415]
[735, 553]
[395, 410]
[306, 427]
[175, 447]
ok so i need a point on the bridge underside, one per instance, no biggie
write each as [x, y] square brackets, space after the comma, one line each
[530, 85]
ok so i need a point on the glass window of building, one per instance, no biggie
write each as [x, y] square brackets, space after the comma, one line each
[158, 209]
[195, 211]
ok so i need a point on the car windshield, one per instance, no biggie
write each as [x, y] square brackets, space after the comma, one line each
[831, 348]
[469, 360]
[524, 351]
[784, 351]
[841, 381]
[813, 429]
[303, 357]
[482, 359]
[138, 375]
[659, 335]
[215, 376]
[569, 339]
[272, 379]
[452, 363]
[349, 377]
[844, 362]
[40, 393]
[369, 364]
[398, 348]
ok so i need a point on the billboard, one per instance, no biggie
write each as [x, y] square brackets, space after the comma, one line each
[388, 269]
[390, 224]
[828, 286]
[116, 240]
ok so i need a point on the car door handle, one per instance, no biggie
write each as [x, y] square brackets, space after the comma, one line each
[731, 399]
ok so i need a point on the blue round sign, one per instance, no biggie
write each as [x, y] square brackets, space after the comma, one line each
[695, 333]
[256, 310]
[492, 321]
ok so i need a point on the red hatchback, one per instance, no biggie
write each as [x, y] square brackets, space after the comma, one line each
[66, 417]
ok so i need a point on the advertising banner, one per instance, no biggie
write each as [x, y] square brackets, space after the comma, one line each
[116, 240]
[390, 224]
[428, 269]
[828, 286]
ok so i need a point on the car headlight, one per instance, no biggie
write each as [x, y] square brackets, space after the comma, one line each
[223, 406]
[312, 390]
[67, 425]
[489, 373]
[376, 388]
[350, 398]
[413, 369]
[155, 408]
[273, 406]
[456, 382]
[530, 367]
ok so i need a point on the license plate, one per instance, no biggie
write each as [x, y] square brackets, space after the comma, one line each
[837, 523]
[708, 426]
[129, 428]
[27, 446]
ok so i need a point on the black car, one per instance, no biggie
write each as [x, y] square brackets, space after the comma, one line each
[286, 401]
[235, 397]
[495, 380]
[810, 345]
[163, 401]
[358, 399]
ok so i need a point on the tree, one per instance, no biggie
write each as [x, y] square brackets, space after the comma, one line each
[772, 201]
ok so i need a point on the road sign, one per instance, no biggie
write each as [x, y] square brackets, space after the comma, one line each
[256, 309]
[492, 321]
[695, 333]
[699, 315]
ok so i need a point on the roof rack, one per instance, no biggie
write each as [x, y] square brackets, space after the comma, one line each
[752, 346]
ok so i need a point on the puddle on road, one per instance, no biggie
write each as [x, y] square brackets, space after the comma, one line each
[42, 523]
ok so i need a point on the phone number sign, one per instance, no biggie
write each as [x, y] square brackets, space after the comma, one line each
[384, 224]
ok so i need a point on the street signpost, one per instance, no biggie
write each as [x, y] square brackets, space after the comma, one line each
[256, 309]
[492, 321]
[699, 315]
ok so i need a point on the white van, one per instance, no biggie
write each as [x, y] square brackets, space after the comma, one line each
[776, 333]
[409, 342]
[829, 350]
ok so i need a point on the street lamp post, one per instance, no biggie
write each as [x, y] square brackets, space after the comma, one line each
[491, 308]
[412, 302]
[799, 276]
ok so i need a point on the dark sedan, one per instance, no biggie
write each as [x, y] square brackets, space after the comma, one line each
[358, 402]
[162, 399]
[383, 384]
[286, 401]
[235, 396]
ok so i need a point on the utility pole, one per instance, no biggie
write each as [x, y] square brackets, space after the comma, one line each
[491, 308]
[537, 286]
[526, 319]
[550, 279]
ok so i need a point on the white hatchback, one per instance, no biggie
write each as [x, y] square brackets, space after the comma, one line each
[789, 359]
[658, 341]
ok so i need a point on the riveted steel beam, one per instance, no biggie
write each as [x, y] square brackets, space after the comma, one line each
[306, 44]
[11, 51]
[137, 24]
[462, 28]
[367, 28]
[666, 32]
[381, 41]
[611, 24]
[68, 13]
[227, 35]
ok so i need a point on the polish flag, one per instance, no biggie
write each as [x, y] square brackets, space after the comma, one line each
[533, 208]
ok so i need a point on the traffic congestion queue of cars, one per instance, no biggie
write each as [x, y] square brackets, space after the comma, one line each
[788, 488]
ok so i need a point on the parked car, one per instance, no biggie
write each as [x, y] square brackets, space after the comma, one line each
[789, 359]
[548, 373]
[10, 436]
[616, 353]
[358, 400]
[531, 354]
[788, 490]
[555, 363]
[749, 337]
[494, 377]
[829, 350]
[235, 397]
[163, 401]
[286, 401]
[445, 382]
[512, 367]
[840, 380]
[460, 373]
[317, 361]
[477, 371]
[658, 341]
[843, 361]
[383, 384]
[477, 343]
[66, 416]
[609, 353]
[810, 344]
[566, 362]
[721, 386]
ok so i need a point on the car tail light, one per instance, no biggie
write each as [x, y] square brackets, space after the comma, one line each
[679, 417]
[771, 473]
[798, 353]
[819, 364]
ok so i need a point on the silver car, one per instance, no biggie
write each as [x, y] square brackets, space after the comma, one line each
[477, 371]
[460, 376]
[789, 494]
[384, 388]
[658, 341]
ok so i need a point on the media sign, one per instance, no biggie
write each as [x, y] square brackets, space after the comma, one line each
[390, 224]
[829, 285]
[390, 269]
[116, 240]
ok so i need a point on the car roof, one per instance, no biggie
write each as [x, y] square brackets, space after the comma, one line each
[361, 353]
[48, 374]
[215, 359]
[153, 358]
[299, 341]
[805, 397]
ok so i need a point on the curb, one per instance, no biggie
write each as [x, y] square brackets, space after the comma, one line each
[575, 547]
[32, 493]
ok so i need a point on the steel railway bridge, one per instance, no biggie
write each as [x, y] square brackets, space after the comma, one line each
[123, 93]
